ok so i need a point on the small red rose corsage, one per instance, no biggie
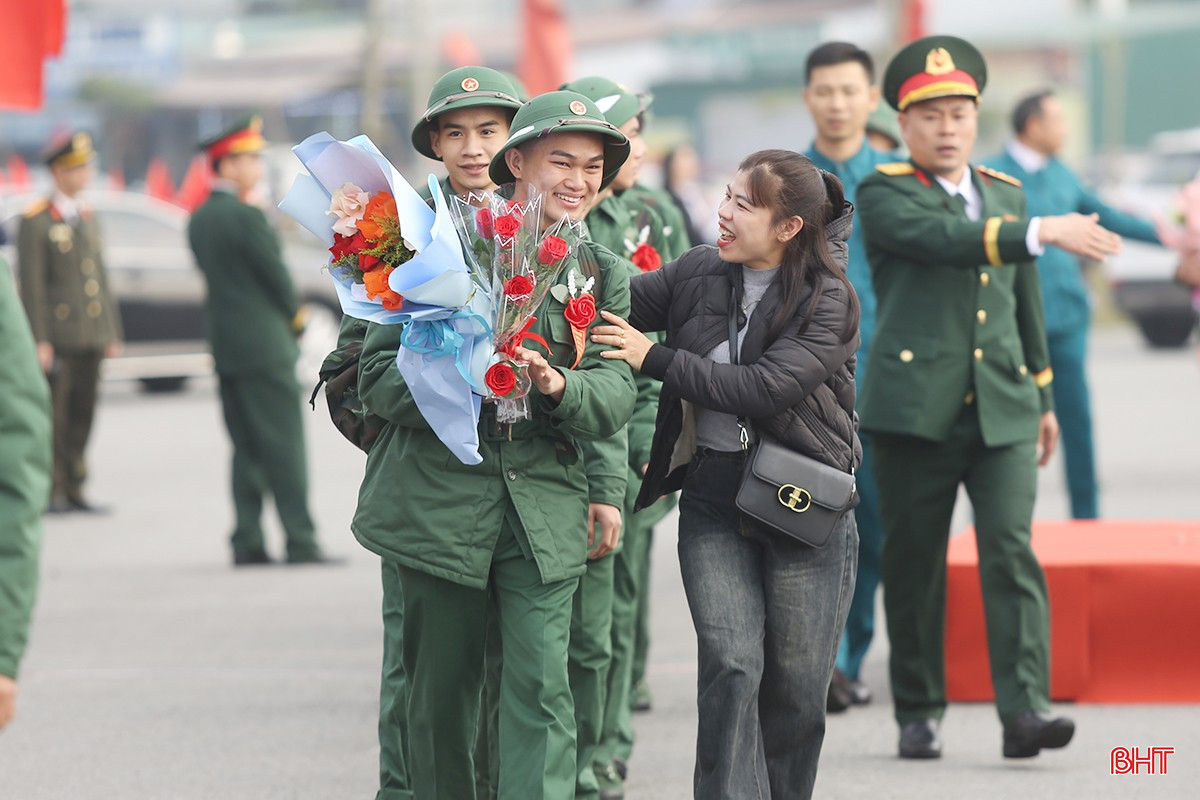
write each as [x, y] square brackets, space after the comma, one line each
[646, 258]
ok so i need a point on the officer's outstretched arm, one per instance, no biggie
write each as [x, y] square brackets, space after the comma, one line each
[380, 385]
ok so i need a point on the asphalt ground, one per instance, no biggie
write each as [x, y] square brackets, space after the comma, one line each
[157, 671]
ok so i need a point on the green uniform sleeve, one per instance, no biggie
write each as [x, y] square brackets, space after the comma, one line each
[674, 230]
[31, 264]
[262, 250]
[606, 471]
[645, 417]
[1031, 325]
[24, 474]
[599, 395]
[911, 222]
[380, 385]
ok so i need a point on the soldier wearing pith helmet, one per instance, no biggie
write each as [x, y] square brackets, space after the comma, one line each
[74, 316]
[959, 393]
[464, 125]
[513, 525]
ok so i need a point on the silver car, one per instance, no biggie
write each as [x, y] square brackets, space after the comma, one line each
[161, 291]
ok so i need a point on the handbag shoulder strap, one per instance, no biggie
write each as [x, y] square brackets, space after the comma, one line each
[733, 356]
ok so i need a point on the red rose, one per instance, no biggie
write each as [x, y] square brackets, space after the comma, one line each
[646, 258]
[507, 225]
[346, 245]
[484, 223]
[581, 311]
[552, 251]
[501, 379]
[366, 262]
[515, 209]
[518, 286]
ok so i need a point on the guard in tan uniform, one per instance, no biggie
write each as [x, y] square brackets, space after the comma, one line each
[74, 317]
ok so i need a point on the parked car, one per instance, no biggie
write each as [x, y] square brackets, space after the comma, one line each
[161, 291]
[1143, 275]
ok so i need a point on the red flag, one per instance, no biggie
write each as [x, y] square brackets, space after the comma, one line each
[196, 184]
[23, 42]
[18, 174]
[545, 57]
[158, 181]
[913, 21]
[55, 26]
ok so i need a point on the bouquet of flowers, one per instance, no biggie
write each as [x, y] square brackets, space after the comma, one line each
[521, 263]
[395, 260]
[1184, 235]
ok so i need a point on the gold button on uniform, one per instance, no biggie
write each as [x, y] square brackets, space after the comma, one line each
[91, 287]
[981, 315]
[970, 398]
[906, 356]
[87, 266]
[62, 311]
[94, 309]
[1023, 369]
[978, 354]
[984, 278]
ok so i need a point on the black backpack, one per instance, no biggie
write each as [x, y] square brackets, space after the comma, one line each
[339, 376]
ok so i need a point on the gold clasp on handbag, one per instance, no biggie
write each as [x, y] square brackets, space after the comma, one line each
[795, 498]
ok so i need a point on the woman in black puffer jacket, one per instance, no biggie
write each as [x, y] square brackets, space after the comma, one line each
[768, 610]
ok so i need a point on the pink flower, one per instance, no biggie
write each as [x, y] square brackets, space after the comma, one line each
[347, 204]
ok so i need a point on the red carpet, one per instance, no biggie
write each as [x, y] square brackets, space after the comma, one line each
[1124, 612]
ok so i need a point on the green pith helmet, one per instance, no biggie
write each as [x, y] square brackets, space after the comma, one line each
[933, 67]
[883, 120]
[617, 103]
[462, 88]
[561, 112]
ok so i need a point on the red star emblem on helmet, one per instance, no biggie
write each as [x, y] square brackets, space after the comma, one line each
[470, 84]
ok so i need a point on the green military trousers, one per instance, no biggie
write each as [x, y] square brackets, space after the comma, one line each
[590, 656]
[445, 637]
[73, 388]
[262, 414]
[918, 482]
[393, 693]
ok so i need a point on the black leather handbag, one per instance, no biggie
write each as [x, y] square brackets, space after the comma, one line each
[795, 495]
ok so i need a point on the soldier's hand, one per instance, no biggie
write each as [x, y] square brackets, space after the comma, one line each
[1080, 234]
[8, 700]
[1047, 438]
[608, 518]
[544, 376]
[45, 354]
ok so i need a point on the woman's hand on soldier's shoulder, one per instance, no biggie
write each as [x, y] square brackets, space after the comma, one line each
[632, 345]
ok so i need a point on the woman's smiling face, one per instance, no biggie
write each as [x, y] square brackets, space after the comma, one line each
[748, 234]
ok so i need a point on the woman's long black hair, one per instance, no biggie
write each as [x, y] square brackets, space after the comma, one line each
[790, 185]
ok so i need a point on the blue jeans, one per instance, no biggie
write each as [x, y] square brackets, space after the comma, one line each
[768, 613]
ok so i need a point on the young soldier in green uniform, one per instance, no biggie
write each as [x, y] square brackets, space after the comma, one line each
[457, 531]
[24, 484]
[253, 321]
[959, 392]
[75, 320]
[840, 96]
[604, 636]
[465, 124]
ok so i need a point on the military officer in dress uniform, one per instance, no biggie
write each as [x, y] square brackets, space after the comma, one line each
[959, 393]
[458, 531]
[254, 318]
[74, 317]
[24, 484]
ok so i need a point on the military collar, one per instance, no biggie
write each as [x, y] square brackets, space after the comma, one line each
[227, 186]
[68, 208]
[965, 187]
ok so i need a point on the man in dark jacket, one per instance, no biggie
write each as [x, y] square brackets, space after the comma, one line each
[253, 321]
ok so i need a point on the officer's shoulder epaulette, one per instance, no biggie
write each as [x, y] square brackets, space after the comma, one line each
[998, 175]
[36, 207]
[896, 168]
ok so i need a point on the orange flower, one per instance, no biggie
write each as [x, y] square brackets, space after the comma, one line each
[382, 207]
[376, 282]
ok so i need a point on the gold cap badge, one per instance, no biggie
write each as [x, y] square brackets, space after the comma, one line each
[470, 84]
[577, 107]
[939, 62]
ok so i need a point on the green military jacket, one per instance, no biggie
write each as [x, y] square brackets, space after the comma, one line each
[24, 473]
[252, 304]
[420, 506]
[64, 284]
[672, 236]
[960, 317]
